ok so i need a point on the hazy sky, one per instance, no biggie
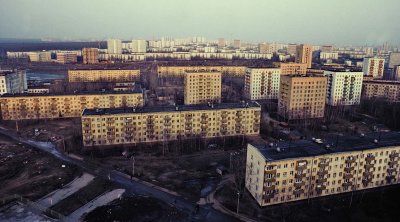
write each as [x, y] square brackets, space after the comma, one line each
[313, 21]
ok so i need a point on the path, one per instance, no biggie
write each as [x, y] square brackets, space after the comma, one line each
[60, 194]
[99, 201]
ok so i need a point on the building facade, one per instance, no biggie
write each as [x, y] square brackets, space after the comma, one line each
[114, 46]
[157, 124]
[344, 87]
[381, 89]
[293, 68]
[66, 57]
[104, 75]
[90, 55]
[275, 175]
[202, 87]
[13, 81]
[262, 83]
[374, 67]
[179, 71]
[302, 97]
[304, 54]
[394, 59]
[46, 106]
[139, 46]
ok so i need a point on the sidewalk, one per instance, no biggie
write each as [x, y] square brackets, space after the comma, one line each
[99, 201]
[60, 194]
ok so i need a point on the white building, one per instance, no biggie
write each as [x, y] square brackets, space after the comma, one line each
[328, 55]
[139, 46]
[262, 83]
[374, 67]
[13, 81]
[114, 46]
[344, 87]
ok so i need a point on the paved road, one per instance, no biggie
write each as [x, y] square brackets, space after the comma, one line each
[206, 213]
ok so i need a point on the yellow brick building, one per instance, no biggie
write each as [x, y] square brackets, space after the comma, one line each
[155, 124]
[179, 71]
[104, 75]
[381, 89]
[44, 106]
[202, 87]
[293, 68]
[305, 169]
[302, 96]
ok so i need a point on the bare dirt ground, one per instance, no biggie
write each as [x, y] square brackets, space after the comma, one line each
[30, 173]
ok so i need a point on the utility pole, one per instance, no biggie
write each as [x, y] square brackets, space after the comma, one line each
[237, 207]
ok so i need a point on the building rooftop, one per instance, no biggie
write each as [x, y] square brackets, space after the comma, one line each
[386, 82]
[337, 144]
[9, 95]
[103, 69]
[154, 109]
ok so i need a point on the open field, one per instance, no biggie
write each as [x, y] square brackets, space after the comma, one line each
[29, 172]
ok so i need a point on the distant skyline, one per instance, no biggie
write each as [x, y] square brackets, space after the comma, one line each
[340, 22]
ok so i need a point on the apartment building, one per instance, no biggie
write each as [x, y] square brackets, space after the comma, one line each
[13, 81]
[46, 106]
[302, 96]
[262, 83]
[304, 54]
[179, 71]
[287, 172]
[155, 124]
[90, 55]
[66, 57]
[328, 55]
[114, 46]
[381, 89]
[344, 87]
[374, 67]
[202, 87]
[293, 68]
[104, 75]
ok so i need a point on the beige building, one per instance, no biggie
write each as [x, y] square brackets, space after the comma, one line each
[104, 75]
[90, 55]
[381, 89]
[155, 124]
[283, 172]
[202, 87]
[302, 96]
[46, 106]
[262, 83]
[304, 54]
[374, 67]
[293, 68]
[179, 71]
[66, 57]
[344, 87]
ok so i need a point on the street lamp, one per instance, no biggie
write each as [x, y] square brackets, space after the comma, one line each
[133, 166]
[237, 207]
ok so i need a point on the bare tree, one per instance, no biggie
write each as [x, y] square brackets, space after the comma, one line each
[238, 168]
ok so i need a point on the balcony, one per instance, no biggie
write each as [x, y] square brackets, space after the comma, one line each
[323, 164]
[301, 167]
[298, 191]
[366, 181]
[270, 188]
[320, 188]
[368, 174]
[299, 183]
[349, 169]
[368, 166]
[300, 176]
[350, 160]
[204, 121]
[273, 171]
[322, 173]
[391, 170]
[392, 164]
[390, 178]
[110, 121]
[347, 176]
[270, 180]
[150, 122]
[369, 158]
[86, 127]
[270, 194]
[321, 180]
[167, 123]
[110, 137]
[347, 184]
[393, 155]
